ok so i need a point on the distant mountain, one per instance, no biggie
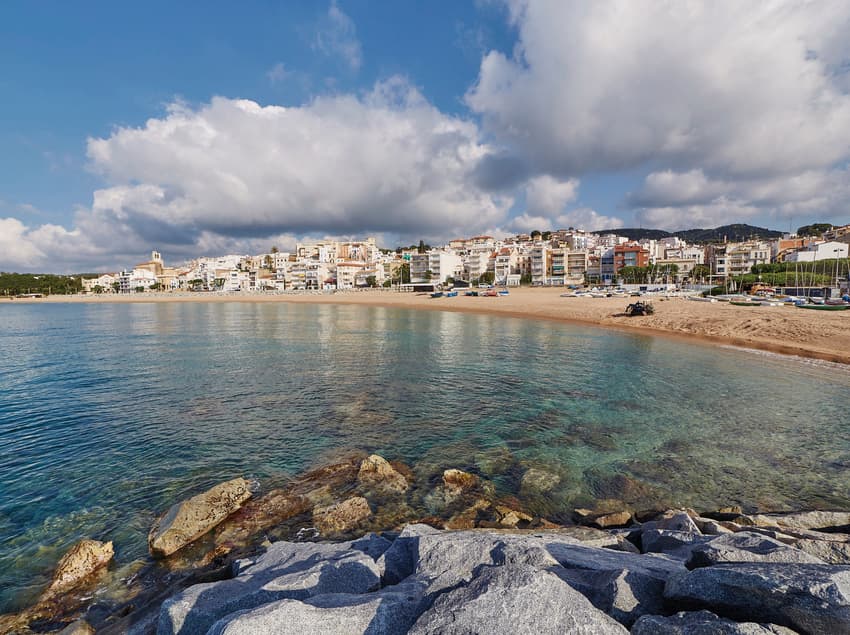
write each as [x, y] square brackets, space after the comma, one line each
[734, 233]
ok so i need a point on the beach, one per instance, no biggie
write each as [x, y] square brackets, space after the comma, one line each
[778, 329]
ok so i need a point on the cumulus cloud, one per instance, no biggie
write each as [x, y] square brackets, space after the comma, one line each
[337, 36]
[549, 195]
[582, 218]
[386, 161]
[738, 89]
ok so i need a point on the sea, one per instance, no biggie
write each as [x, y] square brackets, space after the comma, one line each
[111, 412]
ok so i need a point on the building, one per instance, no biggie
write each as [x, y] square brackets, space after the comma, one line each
[435, 266]
[819, 251]
[630, 255]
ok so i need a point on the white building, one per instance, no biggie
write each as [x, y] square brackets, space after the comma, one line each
[819, 251]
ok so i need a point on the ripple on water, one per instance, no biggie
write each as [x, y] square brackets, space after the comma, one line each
[110, 413]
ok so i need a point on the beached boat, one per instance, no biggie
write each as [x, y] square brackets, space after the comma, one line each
[503, 292]
[472, 294]
[825, 307]
[744, 303]
[451, 294]
[437, 294]
[697, 298]
[491, 293]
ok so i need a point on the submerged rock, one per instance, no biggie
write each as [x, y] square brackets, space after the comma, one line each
[343, 517]
[376, 472]
[79, 563]
[457, 482]
[537, 481]
[190, 519]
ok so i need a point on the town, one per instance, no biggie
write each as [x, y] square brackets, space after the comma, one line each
[557, 258]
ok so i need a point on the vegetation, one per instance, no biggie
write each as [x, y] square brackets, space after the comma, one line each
[815, 229]
[17, 283]
[734, 233]
[525, 278]
[700, 272]
[486, 278]
[647, 275]
[371, 281]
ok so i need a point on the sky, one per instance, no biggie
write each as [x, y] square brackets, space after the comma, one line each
[220, 127]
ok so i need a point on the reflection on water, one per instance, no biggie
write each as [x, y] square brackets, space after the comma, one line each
[109, 413]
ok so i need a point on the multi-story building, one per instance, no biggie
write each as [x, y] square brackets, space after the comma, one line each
[539, 264]
[435, 266]
[630, 255]
[819, 251]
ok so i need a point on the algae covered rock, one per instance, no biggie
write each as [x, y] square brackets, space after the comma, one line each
[341, 517]
[190, 519]
[376, 472]
[80, 562]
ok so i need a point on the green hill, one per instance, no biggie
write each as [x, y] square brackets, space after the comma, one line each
[734, 233]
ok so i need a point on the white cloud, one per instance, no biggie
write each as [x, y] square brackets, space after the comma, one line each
[736, 89]
[549, 195]
[337, 37]
[232, 173]
[580, 218]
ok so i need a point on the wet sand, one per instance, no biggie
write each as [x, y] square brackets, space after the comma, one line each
[787, 330]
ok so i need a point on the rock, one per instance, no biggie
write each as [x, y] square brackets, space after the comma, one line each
[458, 481]
[811, 598]
[746, 546]
[287, 570]
[732, 509]
[811, 520]
[537, 481]
[712, 527]
[400, 559]
[702, 622]
[829, 551]
[190, 519]
[342, 517]
[376, 472]
[670, 541]
[80, 627]
[514, 598]
[673, 520]
[508, 517]
[614, 519]
[467, 519]
[390, 611]
[623, 585]
[79, 563]
[259, 515]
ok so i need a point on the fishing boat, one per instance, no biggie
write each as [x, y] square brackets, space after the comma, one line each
[699, 298]
[491, 293]
[744, 303]
[472, 294]
[825, 307]
[503, 292]
[451, 294]
[437, 294]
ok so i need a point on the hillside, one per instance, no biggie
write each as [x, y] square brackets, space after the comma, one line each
[735, 233]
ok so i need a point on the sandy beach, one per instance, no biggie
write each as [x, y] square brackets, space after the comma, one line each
[780, 329]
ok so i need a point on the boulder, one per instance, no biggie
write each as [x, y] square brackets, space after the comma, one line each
[377, 473]
[190, 519]
[390, 611]
[811, 598]
[702, 622]
[623, 585]
[669, 541]
[80, 627]
[79, 563]
[673, 520]
[287, 570]
[514, 598]
[830, 552]
[746, 546]
[508, 517]
[811, 520]
[399, 560]
[537, 481]
[341, 517]
[457, 481]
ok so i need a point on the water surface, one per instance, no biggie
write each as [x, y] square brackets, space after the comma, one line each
[111, 412]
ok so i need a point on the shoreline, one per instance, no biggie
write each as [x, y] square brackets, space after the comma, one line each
[780, 330]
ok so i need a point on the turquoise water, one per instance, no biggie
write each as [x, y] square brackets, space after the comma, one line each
[109, 413]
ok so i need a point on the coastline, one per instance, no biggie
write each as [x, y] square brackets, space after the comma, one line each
[782, 330]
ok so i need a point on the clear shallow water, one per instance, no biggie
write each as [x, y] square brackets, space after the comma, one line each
[109, 413]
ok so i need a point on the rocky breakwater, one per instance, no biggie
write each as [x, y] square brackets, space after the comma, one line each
[737, 579]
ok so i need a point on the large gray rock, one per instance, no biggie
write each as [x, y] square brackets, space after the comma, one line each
[390, 611]
[190, 519]
[829, 551]
[746, 546]
[623, 585]
[514, 598]
[400, 559]
[702, 623]
[286, 571]
[812, 598]
[811, 520]
[670, 541]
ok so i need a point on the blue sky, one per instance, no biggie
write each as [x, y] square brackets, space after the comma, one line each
[126, 127]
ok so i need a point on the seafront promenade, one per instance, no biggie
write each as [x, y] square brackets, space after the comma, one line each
[778, 329]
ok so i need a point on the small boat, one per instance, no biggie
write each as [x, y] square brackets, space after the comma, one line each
[698, 298]
[744, 303]
[437, 294]
[473, 294]
[451, 294]
[491, 293]
[503, 292]
[825, 307]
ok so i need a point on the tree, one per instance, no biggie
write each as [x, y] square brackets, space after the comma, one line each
[535, 235]
[422, 248]
[116, 287]
[155, 286]
[547, 235]
[371, 281]
[525, 278]
[139, 289]
[274, 249]
[487, 277]
[429, 274]
[700, 272]
[815, 229]
[388, 284]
